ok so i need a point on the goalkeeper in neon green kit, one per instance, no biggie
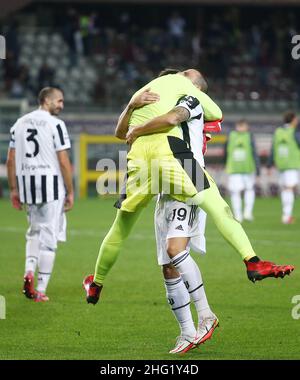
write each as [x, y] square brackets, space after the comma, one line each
[163, 151]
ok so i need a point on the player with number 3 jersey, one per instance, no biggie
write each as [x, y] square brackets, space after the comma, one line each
[40, 177]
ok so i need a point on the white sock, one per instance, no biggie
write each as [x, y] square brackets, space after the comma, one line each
[192, 278]
[32, 255]
[249, 197]
[179, 300]
[46, 262]
[236, 203]
[287, 200]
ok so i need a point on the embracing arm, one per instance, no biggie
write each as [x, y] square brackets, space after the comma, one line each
[211, 110]
[140, 100]
[159, 124]
[123, 122]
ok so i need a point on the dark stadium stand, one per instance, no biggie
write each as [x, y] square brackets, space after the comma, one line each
[101, 55]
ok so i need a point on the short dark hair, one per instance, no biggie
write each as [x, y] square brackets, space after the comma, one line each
[46, 92]
[288, 117]
[168, 71]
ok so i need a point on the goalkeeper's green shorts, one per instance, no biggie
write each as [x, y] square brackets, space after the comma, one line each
[161, 163]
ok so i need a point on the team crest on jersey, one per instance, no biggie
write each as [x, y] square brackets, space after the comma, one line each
[191, 101]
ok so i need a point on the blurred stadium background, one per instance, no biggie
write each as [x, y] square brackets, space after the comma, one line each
[100, 52]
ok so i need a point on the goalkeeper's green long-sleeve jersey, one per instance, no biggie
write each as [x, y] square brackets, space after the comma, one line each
[171, 88]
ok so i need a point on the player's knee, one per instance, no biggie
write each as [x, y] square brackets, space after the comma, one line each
[169, 271]
[174, 246]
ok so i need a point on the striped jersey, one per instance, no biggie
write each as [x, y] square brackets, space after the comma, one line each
[36, 137]
[192, 133]
[192, 129]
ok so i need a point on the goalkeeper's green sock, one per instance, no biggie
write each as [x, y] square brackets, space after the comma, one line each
[211, 201]
[112, 243]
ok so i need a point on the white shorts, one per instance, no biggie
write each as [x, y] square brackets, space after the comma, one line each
[47, 222]
[176, 219]
[241, 182]
[289, 178]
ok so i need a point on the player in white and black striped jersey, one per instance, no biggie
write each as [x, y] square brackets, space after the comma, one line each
[40, 176]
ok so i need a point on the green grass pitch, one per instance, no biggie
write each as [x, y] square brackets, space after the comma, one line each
[133, 320]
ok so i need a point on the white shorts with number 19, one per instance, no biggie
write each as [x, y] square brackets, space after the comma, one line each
[176, 219]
